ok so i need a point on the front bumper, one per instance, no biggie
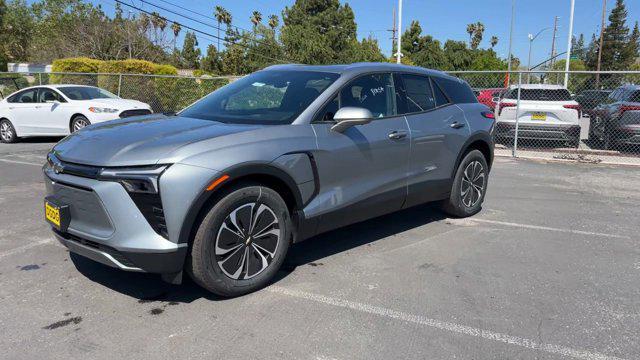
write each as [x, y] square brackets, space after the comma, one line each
[107, 226]
[507, 130]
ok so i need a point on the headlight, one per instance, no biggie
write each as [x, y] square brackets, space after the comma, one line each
[103, 110]
[135, 180]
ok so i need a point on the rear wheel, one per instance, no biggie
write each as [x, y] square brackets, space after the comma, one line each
[241, 242]
[469, 186]
[7, 132]
[79, 122]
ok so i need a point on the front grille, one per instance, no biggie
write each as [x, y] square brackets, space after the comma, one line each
[135, 112]
[150, 205]
[94, 245]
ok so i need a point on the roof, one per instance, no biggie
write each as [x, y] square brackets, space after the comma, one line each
[539, 86]
[357, 67]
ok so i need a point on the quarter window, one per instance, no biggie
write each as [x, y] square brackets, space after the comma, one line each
[441, 99]
[418, 93]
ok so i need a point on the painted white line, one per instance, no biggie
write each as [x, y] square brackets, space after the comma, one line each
[26, 247]
[534, 227]
[21, 162]
[443, 325]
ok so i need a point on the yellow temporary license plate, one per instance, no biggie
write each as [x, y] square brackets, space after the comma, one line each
[539, 116]
[52, 214]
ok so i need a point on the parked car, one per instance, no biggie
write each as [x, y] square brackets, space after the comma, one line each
[589, 99]
[489, 97]
[616, 122]
[224, 187]
[56, 110]
[546, 112]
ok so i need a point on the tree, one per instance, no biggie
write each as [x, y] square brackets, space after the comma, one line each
[367, 50]
[578, 48]
[222, 16]
[256, 18]
[176, 28]
[318, 31]
[471, 29]
[211, 61]
[16, 31]
[190, 52]
[615, 53]
[273, 21]
[494, 41]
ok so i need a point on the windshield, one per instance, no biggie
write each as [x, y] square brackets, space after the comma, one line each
[86, 93]
[540, 94]
[265, 97]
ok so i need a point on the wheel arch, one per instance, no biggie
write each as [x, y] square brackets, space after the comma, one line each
[262, 173]
[73, 117]
[479, 141]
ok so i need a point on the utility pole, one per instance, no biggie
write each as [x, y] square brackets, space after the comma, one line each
[513, 15]
[604, 11]
[553, 41]
[569, 38]
[399, 53]
[393, 32]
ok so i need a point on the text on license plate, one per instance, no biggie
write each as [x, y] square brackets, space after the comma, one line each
[538, 116]
[52, 214]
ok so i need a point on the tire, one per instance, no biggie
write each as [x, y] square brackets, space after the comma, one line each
[7, 132]
[459, 203]
[220, 246]
[78, 123]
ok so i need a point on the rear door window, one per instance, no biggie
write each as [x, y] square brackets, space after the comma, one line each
[441, 98]
[24, 97]
[418, 93]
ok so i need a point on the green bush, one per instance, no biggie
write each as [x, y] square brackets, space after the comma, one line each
[75, 65]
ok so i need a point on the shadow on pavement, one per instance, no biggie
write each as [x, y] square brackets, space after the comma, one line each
[149, 287]
[38, 140]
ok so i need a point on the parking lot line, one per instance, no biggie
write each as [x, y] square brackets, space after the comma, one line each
[20, 162]
[25, 247]
[443, 325]
[534, 227]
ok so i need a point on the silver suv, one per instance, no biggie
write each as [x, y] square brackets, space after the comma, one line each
[223, 188]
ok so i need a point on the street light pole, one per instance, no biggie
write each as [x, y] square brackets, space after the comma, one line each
[531, 39]
[570, 37]
[398, 53]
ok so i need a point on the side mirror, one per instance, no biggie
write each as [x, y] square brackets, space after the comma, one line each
[349, 116]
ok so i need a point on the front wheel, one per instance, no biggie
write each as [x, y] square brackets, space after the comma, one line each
[241, 242]
[469, 186]
[79, 122]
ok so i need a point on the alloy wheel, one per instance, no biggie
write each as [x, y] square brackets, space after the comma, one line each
[247, 241]
[472, 184]
[6, 132]
[79, 124]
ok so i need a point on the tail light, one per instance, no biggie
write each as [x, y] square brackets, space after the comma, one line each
[504, 105]
[624, 108]
[576, 107]
[488, 115]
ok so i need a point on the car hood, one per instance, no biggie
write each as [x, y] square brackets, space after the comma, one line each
[139, 141]
[120, 104]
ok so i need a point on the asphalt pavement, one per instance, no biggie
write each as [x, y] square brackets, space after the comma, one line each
[549, 269]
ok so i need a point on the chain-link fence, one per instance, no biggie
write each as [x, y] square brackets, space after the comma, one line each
[584, 116]
[165, 93]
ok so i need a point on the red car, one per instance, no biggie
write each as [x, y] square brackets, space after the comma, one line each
[486, 96]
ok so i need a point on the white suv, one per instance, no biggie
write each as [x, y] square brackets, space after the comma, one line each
[57, 110]
[547, 112]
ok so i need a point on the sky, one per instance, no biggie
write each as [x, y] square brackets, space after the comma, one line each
[443, 19]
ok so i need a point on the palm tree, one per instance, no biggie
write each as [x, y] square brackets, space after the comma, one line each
[176, 28]
[256, 17]
[471, 29]
[477, 35]
[220, 16]
[494, 41]
[273, 21]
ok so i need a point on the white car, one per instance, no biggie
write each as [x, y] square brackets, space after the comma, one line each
[57, 110]
[547, 112]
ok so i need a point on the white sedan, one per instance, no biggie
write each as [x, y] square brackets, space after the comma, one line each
[57, 110]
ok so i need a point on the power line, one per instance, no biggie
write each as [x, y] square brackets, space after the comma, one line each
[196, 30]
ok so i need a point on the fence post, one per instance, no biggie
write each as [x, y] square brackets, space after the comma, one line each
[515, 136]
[40, 79]
[119, 83]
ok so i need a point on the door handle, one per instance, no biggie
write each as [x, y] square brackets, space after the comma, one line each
[456, 125]
[397, 134]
